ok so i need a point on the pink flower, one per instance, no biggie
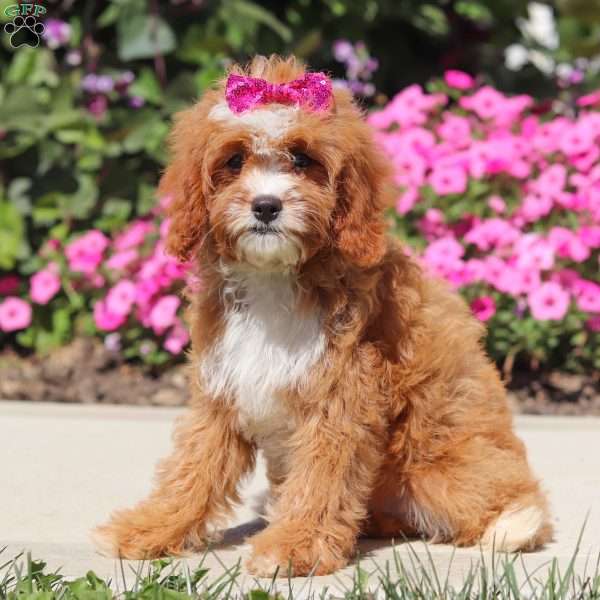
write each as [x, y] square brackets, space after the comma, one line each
[177, 338]
[106, 320]
[406, 201]
[492, 233]
[44, 285]
[458, 79]
[163, 313]
[589, 99]
[15, 314]
[120, 298]
[550, 302]
[134, 235]
[9, 284]
[486, 103]
[120, 260]
[85, 253]
[593, 324]
[567, 244]
[444, 256]
[497, 204]
[576, 140]
[448, 180]
[587, 295]
[455, 130]
[484, 308]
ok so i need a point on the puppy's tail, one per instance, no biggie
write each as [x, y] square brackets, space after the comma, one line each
[521, 526]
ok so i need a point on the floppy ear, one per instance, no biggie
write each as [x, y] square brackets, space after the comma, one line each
[362, 196]
[184, 181]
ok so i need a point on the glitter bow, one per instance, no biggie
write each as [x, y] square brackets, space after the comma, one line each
[312, 91]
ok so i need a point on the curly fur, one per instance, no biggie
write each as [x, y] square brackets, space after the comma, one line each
[363, 380]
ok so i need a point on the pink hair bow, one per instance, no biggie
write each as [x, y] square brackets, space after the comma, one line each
[312, 91]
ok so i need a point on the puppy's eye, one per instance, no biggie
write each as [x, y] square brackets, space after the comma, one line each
[301, 160]
[235, 162]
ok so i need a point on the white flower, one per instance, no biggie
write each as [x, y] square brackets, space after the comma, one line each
[516, 57]
[540, 26]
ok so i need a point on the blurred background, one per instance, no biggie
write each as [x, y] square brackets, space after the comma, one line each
[488, 110]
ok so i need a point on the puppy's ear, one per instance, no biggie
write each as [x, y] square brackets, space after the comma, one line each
[362, 189]
[184, 181]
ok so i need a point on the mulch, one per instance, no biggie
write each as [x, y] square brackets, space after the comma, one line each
[87, 372]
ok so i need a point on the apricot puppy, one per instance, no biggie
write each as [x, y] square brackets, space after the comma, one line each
[317, 340]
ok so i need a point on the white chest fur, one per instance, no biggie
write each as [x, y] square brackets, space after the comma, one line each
[267, 346]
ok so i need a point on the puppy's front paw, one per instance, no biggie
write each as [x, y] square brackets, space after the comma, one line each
[292, 552]
[136, 534]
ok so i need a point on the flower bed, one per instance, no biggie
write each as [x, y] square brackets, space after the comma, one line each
[500, 200]
[504, 203]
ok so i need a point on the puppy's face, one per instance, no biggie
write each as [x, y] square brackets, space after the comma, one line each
[271, 187]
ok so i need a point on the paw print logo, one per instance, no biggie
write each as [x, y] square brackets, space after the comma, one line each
[24, 31]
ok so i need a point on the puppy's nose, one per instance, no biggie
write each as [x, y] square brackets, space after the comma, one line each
[266, 208]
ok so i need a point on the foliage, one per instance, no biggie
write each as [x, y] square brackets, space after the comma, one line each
[504, 203]
[83, 120]
[407, 576]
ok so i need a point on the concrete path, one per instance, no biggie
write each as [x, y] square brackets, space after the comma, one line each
[65, 467]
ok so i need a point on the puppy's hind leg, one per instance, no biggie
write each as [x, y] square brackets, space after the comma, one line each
[194, 485]
[480, 494]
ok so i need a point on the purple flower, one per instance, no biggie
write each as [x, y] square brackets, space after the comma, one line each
[136, 102]
[73, 58]
[97, 106]
[104, 84]
[97, 84]
[342, 50]
[123, 81]
[57, 33]
[88, 83]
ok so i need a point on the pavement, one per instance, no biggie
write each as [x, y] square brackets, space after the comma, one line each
[65, 467]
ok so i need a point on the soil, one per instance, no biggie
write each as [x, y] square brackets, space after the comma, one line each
[85, 371]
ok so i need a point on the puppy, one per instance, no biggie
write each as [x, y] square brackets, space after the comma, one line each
[318, 341]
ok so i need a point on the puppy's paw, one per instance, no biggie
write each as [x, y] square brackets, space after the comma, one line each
[290, 552]
[133, 534]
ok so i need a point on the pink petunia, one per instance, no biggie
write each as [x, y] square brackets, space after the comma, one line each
[486, 103]
[484, 308]
[591, 99]
[9, 284]
[177, 338]
[448, 180]
[122, 259]
[497, 204]
[85, 253]
[105, 319]
[163, 313]
[550, 302]
[121, 297]
[15, 314]
[406, 201]
[44, 285]
[458, 79]
[593, 324]
[587, 295]
[134, 235]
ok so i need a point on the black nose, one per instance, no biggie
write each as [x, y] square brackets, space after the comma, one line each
[266, 208]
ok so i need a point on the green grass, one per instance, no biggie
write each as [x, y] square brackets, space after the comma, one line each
[497, 578]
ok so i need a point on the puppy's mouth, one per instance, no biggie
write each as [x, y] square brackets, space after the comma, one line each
[264, 230]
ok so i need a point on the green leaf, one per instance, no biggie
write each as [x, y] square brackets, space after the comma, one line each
[11, 235]
[258, 14]
[18, 194]
[146, 85]
[109, 16]
[144, 36]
